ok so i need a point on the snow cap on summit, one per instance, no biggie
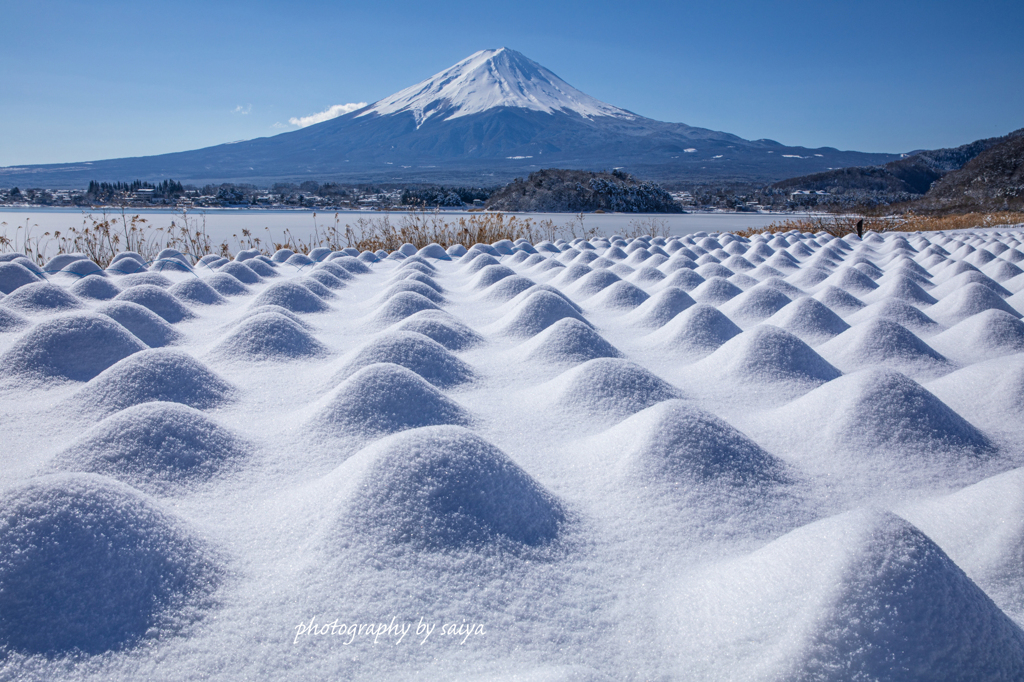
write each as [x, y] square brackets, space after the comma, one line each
[489, 79]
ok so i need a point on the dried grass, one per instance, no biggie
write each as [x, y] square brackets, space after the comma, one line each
[840, 226]
[102, 238]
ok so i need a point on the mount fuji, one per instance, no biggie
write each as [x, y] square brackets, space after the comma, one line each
[491, 117]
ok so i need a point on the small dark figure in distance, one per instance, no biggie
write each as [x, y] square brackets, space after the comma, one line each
[860, 228]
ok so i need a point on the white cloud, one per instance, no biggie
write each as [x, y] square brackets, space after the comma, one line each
[243, 110]
[334, 112]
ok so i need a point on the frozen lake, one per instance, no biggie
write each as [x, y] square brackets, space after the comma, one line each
[223, 224]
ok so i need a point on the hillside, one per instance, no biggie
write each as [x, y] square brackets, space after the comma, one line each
[901, 180]
[555, 191]
[991, 181]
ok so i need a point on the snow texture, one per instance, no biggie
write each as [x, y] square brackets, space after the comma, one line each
[708, 457]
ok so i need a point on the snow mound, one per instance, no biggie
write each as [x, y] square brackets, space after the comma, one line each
[508, 288]
[755, 305]
[226, 285]
[88, 565]
[382, 399]
[568, 341]
[416, 352]
[606, 388]
[536, 313]
[97, 288]
[810, 320]
[490, 275]
[620, 296]
[413, 286]
[902, 288]
[675, 443]
[154, 375]
[695, 332]
[399, 307]
[443, 488]
[268, 337]
[352, 265]
[291, 296]
[159, 301]
[769, 355]
[40, 298]
[687, 280]
[240, 271]
[884, 343]
[83, 268]
[76, 347]
[862, 596]
[881, 415]
[987, 335]
[661, 308]
[15, 275]
[158, 447]
[443, 328]
[899, 312]
[149, 327]
[593, 282]
[839, 301]
[714, 291]
[198, 292]
[966, 301]
[138, 279]
[11, 321]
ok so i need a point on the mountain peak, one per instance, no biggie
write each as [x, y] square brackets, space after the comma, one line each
[489, 79]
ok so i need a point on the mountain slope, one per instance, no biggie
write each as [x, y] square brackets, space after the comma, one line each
[991, 181]
[901, 180]
[491, 117]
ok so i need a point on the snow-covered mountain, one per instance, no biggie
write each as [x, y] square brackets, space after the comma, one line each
[491, 79]
[494, 116]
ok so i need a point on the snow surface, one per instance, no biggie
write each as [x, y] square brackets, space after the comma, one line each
[701, 457]
[488, 79]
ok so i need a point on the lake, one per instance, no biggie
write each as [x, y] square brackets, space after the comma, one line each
[225, 224]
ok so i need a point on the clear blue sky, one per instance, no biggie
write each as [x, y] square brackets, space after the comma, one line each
[83, 81]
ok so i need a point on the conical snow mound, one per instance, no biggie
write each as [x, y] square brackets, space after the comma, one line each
[157, 447]
[695, 332]
[767, 354]
[291, 296]
[149, 327]
[416, 352]
[536, 313]
[568, 341]
[153, 375]
[89, 565]
[383, 399]
[443, 328]
[268, 337]
[75, 347]
[607, 388]
[676, 443]
[883, 411]
[444, 488]
[873, 599]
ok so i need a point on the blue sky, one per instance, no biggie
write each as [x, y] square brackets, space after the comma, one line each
[82, 81]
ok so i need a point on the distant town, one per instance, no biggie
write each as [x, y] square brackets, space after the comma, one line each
[312, 195]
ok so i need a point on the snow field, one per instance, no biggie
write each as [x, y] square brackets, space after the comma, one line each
[708, 457]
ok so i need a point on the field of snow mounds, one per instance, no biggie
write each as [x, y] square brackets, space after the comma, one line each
[710, 457]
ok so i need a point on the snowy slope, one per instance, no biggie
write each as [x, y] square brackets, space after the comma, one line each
[489, 79]
[701, 457]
